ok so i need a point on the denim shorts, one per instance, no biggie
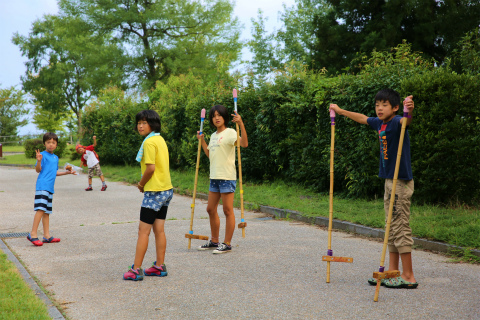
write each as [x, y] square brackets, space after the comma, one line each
[222, 186]
[156, 200]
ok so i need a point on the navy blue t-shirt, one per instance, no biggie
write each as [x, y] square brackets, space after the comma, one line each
[389, 136]
[46, 177]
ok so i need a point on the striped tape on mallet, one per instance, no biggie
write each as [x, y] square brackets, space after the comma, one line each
[382, 274]
[329, 257]
[242, 224]
[190, 234]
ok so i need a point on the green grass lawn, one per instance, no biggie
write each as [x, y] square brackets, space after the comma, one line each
[12, 148]
[17, 300]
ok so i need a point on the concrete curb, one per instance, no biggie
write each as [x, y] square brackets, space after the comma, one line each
[17, 165]
[52, 310]
[348, 226]
[362, 230]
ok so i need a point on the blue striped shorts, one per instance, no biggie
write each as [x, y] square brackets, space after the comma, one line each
[43, 201]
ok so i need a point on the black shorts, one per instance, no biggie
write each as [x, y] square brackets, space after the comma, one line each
[148, 215]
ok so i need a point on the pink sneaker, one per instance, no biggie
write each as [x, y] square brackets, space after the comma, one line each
[157, 271]
[133, 274]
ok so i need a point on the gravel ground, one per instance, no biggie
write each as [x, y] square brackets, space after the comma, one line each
[275, 272]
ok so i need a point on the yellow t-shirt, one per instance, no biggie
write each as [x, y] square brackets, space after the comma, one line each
[155, 151]
[222, 155]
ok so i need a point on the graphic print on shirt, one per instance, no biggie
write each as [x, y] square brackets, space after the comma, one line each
[215, 142]
[383, 143]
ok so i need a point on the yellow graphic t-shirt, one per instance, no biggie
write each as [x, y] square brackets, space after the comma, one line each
[222, 155]
[155, 151]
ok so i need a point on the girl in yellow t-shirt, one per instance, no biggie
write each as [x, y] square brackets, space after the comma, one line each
[157, 189]
[223, 180]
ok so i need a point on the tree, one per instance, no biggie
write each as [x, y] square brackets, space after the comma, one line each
[164, 38]
[12, 109]
[467, 54]
[431, 26]
[293, 41]
[68, 63]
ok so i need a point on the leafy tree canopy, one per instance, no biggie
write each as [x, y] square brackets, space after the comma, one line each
[12, 109]
[164, 37]
[329, 33]
[68, 63]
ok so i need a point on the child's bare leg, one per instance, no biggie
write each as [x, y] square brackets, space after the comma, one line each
[36, 222]
[407, 266]
[46, 225]
[393, 261]
[160, 240]
[227, 200]
[213, 200]
[102, 178]
[142, 243]
[89, 181]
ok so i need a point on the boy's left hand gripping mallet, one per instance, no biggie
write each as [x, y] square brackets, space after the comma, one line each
[329, 257]
[242, 223]
[190, 234]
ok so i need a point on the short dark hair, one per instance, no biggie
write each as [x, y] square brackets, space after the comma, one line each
[389, 95]
[222, 111]
[50, 135]
[152, 117]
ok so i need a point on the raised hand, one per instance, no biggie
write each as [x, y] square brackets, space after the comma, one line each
[38, 155]
[409, 103]
[237, 118]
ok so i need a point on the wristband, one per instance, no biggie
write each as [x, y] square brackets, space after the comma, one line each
[140, 185]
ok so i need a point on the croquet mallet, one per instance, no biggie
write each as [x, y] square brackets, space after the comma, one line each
[329, 257]
[242, 223]
[382, 274]
[190, 234]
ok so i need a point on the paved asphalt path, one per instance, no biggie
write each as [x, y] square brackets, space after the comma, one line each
[275, 272]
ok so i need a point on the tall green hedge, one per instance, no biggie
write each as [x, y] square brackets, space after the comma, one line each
[288, 126]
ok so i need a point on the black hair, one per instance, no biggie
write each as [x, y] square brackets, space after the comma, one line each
[152, 117]
[50, 135]
[389, 95]
[222, 111]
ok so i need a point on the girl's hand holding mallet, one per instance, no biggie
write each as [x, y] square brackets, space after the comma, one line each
[237, 118]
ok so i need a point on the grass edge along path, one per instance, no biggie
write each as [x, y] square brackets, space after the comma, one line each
[17, 299]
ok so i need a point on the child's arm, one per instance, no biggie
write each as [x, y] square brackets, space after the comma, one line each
[39, 157]
[204, 144]
[149, 170]
[358, 117]
[243, 138]
[94, 141]
[409, 105]
[62, 173]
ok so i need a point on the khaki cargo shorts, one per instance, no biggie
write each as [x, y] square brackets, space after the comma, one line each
[400, 238]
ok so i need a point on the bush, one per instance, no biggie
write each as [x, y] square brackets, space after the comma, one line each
[289, 132]
[111, 118]
[32, 145]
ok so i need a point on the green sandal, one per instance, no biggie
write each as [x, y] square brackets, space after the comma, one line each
[373, 281]
[399, 283]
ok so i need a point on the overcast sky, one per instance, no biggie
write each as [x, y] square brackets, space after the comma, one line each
[18, 16]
